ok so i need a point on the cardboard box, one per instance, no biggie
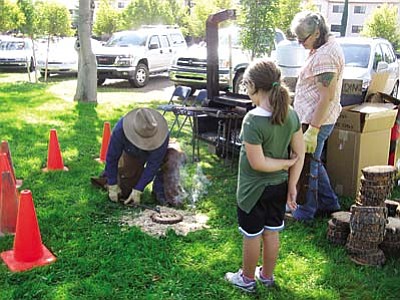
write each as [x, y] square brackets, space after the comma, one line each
[366, 117]
[361, 138]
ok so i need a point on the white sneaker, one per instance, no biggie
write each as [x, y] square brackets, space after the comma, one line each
[237, 280]
[265, 281]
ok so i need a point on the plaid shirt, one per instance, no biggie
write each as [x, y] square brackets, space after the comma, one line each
[328, 58]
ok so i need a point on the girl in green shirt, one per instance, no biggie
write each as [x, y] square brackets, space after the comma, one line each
[270, 163]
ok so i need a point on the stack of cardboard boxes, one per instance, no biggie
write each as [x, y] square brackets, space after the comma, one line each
[361, 138]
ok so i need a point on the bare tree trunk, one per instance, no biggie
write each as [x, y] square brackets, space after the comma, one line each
[86, 89]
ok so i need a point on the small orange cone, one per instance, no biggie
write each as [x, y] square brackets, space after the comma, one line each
[4, 148]
[4, 166]
[8, 204]
[105, 142]
[28, 251]
[54, 158]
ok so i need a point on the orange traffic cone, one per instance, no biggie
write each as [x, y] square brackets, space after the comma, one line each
[8, 204]
[4, 166]
[28, 252]
[105, 142]
[54, 158]
[4, 148]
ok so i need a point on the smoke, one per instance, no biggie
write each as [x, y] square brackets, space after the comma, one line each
[195, 186]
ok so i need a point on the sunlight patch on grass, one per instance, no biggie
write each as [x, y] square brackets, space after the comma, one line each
[32, 118]
[70, 154]
[61, 292]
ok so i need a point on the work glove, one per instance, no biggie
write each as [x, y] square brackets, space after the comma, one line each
[133, 197]
[310, 139]
[113, 192]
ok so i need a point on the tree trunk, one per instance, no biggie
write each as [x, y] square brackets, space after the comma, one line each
[86, 89]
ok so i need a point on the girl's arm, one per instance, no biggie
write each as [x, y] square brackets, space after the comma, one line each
[297, 145]
[262, 163]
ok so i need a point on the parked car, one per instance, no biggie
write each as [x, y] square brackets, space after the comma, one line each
[367, 56]
[17, 53]
[62, 57]
[190, 67]
[134, 55]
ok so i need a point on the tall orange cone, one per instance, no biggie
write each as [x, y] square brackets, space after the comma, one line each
[4, 148]
[8, 204]
[28, 251]
[105, 142]
[54, 158]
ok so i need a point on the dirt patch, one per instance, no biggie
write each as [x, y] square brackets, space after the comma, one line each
[191, 222]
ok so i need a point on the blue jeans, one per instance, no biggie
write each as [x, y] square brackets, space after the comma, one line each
[320, 195]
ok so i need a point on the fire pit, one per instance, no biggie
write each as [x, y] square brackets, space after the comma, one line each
[167, 217]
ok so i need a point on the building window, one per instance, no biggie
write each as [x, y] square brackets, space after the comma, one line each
[337, 9]
[121, 5]
[359, 9]
[335, 28]
[356, 28]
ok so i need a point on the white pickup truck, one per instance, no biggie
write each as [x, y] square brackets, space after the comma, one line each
[189, 68]
[134, 55]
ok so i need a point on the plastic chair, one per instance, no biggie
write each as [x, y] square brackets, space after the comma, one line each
[180, 97]
[198, 102]
[192, 116]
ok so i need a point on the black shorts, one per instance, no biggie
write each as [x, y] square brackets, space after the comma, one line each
[267, 214]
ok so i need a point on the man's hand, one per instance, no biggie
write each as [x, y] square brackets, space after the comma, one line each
[310, 139]
[113, 192]
[134, 197]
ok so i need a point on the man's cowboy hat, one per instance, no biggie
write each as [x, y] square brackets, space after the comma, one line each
[146, 128]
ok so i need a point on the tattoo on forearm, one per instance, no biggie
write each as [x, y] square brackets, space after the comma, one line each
[325, 78]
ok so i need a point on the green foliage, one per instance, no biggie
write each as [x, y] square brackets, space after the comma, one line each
[383, 22]
[258, 21]
[28, 9]
[100, 257]
[287, 10]
[11, 17]
[149, 12]
[107, 19]
[311, 6]
[53, 19]
[199, 17]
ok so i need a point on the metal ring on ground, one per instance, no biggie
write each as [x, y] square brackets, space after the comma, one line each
[166, 218]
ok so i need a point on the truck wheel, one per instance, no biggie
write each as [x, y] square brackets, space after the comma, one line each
[100, 81]
[238, 86]
[44, 74]
[395, 91]
[141, 77]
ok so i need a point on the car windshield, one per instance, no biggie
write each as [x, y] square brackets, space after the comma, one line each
[356, 55]
[12, 45]
[127, 39]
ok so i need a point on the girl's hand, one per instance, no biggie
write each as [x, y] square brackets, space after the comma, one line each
[291, 198]
[291, 161]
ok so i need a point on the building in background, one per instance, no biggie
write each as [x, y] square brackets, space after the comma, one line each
[359, 11]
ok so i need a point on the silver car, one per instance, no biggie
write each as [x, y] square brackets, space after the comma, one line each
[367, 56]
[16, 53]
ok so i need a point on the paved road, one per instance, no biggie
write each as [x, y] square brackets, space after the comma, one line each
[113, 91]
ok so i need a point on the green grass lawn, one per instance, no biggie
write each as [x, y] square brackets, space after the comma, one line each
[98, 258]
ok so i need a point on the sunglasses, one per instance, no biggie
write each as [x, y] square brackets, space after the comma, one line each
[302, 41]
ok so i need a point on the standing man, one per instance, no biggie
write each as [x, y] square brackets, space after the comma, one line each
[138, 145]
[317, 102]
